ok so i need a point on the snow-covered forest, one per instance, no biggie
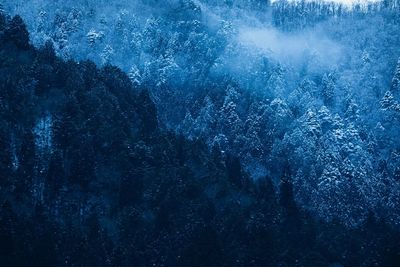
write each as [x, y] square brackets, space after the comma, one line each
[164, 131]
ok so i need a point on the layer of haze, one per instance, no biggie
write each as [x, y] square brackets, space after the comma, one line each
[349, 2]
[290, 47]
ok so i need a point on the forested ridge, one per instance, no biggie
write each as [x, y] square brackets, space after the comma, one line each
[210, 153]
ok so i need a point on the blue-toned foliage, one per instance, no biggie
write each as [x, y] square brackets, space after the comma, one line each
[199, 133]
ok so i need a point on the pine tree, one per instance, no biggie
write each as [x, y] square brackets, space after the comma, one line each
[234, 169]
[328, 89]
[107, 54]
[276, 83]
[325, 118]
[2, 18]
[220, 143]
[93, 36]
[352, 112]
[17, 32]
[8, 233]
[147, 115]
[47, 52]
[281, 115]
[205, 122]
[286, 200]
[387, 101]
[396, 78]
[41, 21]
[187, 125]
[310, 123]
[229, 120]
[134, 75]
[253, 128]
[61, 35]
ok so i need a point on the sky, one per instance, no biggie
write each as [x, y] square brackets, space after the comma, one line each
[346, 2]
[350, 2]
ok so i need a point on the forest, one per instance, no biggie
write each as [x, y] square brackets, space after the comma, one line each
[199, 133]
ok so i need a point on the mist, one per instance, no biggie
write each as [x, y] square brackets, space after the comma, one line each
[291, 47]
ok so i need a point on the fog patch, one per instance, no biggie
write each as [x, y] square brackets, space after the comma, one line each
[292, 48]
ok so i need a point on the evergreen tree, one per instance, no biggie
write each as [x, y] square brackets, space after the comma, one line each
[234, 169]
[328, 89]
[396, 78]
[17, 33]
[8, 233]
[2, 18]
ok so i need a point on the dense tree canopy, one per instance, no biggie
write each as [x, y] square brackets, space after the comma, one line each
[199, 133]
